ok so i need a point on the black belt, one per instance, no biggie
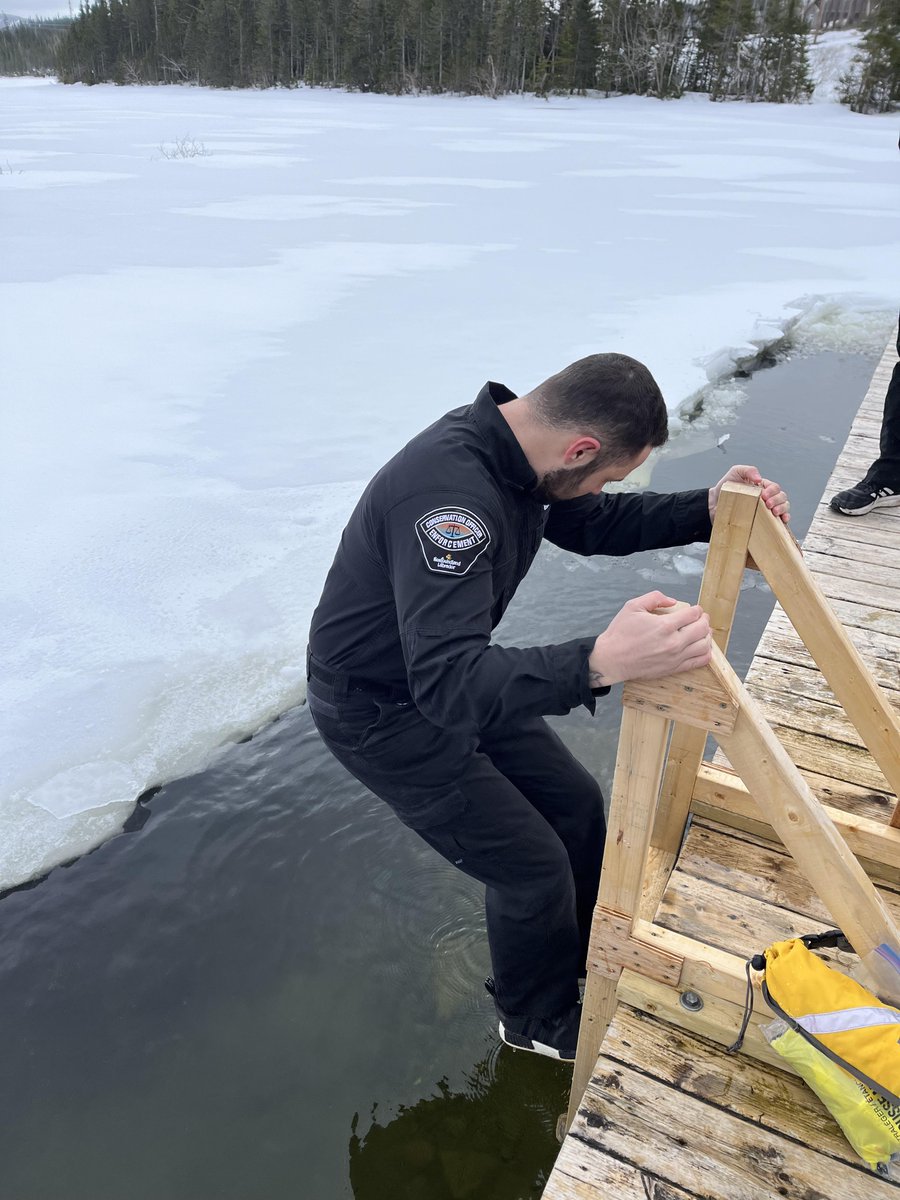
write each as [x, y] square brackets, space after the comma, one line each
[341, 683]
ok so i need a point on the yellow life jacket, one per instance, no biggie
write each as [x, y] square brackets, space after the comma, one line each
[843, 1016]
[840, 1038]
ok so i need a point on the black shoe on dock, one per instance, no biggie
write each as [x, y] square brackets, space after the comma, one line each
[859, 500]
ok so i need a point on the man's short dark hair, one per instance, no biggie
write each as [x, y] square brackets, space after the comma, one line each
[609, 396]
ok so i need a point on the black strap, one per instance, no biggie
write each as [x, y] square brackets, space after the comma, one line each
[748, 1008]
[831, 939]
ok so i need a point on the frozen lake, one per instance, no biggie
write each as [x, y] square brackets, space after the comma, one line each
[270, 988]
[205, 357]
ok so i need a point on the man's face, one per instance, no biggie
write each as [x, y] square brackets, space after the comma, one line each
[568, 483]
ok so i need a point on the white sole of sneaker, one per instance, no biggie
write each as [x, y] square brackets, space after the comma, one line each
[883, 502]
[532, 1047]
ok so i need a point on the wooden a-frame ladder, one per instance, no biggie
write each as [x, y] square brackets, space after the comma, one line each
[660, 774]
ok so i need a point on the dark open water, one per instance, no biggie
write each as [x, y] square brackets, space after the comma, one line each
[268, 989]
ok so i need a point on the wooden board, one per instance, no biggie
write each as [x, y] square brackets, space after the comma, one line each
[669, 1115]
[738, 893]
[719, 1020]
[874, 802]
[786, 699]
[751, 866]
[790, 679]
[859, 614]
[779, 1102]
[840, 760]
[881, 574]
[879, 651]
[607, 1178]
[722, 798]
[841, 545]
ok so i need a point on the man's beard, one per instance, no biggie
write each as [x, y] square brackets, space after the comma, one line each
[563, 484]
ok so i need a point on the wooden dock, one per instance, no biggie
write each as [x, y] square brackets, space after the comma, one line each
[668, 1114]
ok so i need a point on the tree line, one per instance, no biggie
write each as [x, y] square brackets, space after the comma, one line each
[729, 49]
[29, 47]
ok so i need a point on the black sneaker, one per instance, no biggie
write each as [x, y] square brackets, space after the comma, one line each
[554, 1037]
[859, 500]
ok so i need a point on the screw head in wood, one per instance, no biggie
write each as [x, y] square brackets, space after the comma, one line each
[691, 1001]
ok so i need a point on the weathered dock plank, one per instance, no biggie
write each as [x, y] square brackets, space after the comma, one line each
[669, 1114]
[880, 652]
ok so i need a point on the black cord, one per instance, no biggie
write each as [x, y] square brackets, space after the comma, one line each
[748, 1011]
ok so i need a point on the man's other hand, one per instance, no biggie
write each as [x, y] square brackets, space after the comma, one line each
[774, 497]
[641, 644]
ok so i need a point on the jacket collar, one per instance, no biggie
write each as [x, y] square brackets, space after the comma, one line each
[506, 453]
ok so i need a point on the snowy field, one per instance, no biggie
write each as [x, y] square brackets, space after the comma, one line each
[204, 358]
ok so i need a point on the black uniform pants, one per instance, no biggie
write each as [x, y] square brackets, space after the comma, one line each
[885, 471]
[511, 807]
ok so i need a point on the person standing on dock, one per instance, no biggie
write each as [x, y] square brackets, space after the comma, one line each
[880, 486]
[410, 694]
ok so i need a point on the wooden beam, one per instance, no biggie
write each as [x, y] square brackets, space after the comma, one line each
[785, 800]
[836, 656]
[725, 562]
[720, 793]
[691, 698]
[639, 765]
[598, 1008]
[613, 947]
[657, 874]
[719, 1020]
[727, 556]
[706, 970]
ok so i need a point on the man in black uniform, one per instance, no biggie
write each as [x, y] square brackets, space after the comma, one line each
[410, 694]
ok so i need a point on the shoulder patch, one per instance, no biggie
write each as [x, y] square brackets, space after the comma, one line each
[451, 539]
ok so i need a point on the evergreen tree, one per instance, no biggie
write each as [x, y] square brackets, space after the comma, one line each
[783, 74]
[578, 47]
[220, 20]
[515, 43]
[873, 82]
[723, 60]
[609, 45]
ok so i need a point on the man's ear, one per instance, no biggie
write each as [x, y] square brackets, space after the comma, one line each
[581, 452]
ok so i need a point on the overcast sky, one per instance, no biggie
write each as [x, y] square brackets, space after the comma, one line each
[37, 8]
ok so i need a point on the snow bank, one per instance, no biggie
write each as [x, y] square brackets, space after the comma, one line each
[205, 358]
[830, 56]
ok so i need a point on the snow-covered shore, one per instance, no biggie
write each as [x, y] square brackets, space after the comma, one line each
[204, 358]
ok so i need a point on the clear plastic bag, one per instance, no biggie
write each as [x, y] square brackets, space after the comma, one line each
[882, 967]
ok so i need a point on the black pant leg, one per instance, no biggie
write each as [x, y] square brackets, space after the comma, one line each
[501, 840]
[564, 792]
[456, 799]
[885, 471]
